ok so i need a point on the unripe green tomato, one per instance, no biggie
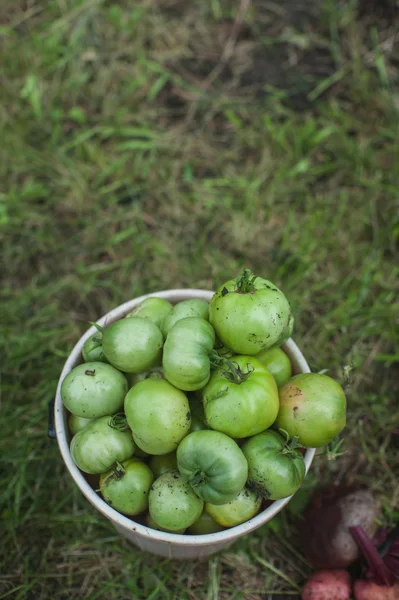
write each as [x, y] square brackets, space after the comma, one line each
[125, 486]
[277, 362]
[133, 345]
[313, 408]
[99, 445]
[182, 310]
[249, 314]
[242, 508]
[204, 524]
[163, 463]
[172, 502]
[158, 415]
[93, 349]
[154, 309]
[93, 390]
[77, 423]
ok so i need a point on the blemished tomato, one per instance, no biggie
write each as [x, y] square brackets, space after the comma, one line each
[249, 314]
[172, 502]
[125, 486]
[204, 524]
[242, 399]
[242, 508]
[213, 464]
[93, 390]
[151, 523]
[99, 445]
[154, 309]
[77, 423]
[312, 407]
[274, 469]
[182, 310]
[186, 362]
[164, 463]
[133, 345]
[198, 421]
[158, 415]
[277, 362]
[92, 350]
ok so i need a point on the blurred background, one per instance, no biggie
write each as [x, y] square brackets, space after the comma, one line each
[160, 144]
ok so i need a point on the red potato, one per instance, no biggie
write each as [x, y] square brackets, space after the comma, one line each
[369, 590]
[327, 585]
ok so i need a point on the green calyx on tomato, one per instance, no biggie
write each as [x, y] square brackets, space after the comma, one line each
[204, 524]
[93, 348]
[186, 362]
[158, 414]
[133, 345]
[163, 463]
[249, 314]
[312, 408]
[154, 309]
[93, 390]
[277, 362]
[213, 464]
[242, 508]
[241, 397]
[172, 503]
[100, 444]
[125, 486]
[182, 310]
[276, 468]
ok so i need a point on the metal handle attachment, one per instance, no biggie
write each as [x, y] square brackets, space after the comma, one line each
[51, 427]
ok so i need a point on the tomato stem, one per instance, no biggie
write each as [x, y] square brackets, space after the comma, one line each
[246, 282]
[230, 368]
[98, 327]
[118, 422]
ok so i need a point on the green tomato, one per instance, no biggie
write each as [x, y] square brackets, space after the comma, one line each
[313, 408]
[77, 423]
[133, 378]
[274, 469]
[98, 446]
[93, 349]
[204, 524]
[198, 421]
[93, 390]
[184, 309]
[172, 502]
[186, 353]
[213, 464]
[164, 463]
[133, 345]
[277, 362]
[158, 415]
[249, 314]
[151, 523]
[242, 508]
[126, 486]
[242, 399]
[154, 309]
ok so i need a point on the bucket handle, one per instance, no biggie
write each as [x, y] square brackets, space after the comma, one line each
[51, 426]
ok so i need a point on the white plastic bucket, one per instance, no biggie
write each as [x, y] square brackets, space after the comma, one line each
[160, 543]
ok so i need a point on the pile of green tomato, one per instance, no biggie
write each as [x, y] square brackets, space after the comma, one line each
[190, 414]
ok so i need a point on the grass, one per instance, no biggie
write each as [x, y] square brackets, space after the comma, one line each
[166, 144]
